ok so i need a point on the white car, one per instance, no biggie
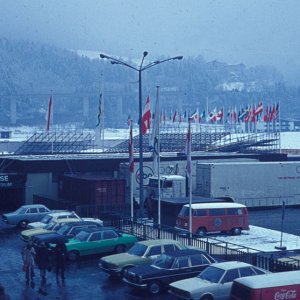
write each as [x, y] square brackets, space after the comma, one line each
[53, 217]
[214, 282]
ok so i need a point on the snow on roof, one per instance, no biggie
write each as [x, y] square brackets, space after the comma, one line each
[271, 280]
[215, 205]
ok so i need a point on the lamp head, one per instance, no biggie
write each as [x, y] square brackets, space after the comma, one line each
[103, 56]
[178, 57]
[145, 53]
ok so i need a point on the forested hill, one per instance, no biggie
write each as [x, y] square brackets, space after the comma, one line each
[31, 71]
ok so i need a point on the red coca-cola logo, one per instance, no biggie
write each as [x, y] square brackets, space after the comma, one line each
[285, 294]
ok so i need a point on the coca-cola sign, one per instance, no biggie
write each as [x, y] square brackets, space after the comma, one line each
[285, 294]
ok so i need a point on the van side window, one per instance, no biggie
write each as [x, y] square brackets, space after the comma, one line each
[200, 212]
[234, 211]
[217, 212]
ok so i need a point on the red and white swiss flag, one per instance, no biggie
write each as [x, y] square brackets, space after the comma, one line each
[146, 118]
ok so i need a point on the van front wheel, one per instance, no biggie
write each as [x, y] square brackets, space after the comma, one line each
[236, 231]
[201, 231]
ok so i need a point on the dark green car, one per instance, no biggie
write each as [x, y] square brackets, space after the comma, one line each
[98, 241]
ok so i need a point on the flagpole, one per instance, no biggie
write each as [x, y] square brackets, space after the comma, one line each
[131, 168]
[189, 174]
[158, 158]
[279, 119]
[102, 114]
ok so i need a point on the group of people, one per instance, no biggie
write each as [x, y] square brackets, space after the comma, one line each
[40, 256]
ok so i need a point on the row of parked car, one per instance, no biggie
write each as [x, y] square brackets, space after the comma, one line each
[160, 265]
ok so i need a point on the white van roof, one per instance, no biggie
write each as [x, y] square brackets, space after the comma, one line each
[271, 279]
[215, 205]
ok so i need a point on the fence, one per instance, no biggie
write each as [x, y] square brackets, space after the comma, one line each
[223, 251]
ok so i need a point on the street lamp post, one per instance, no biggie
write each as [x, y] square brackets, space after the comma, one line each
[140, 69]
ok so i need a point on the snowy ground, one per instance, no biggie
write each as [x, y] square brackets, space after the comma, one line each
[262, 239]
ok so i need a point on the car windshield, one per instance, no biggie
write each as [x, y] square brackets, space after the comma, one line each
[63, 230]
[46, 219]
[82, 236]
[211, 274]
[164, 261]
[137, 249]
[50, 225]
[184, 212]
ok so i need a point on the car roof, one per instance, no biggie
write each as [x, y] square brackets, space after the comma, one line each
[33, 205]
[158, 242]
[67, 220]
[80, 222]
[227, 265]
[279, 279]
[60, 213]
[49, 237]
[99, 229]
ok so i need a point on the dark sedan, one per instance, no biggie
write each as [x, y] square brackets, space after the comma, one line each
[156, 277]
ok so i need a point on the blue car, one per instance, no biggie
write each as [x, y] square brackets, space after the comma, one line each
[182, 264]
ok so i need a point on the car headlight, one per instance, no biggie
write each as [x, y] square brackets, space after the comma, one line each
[139, 279]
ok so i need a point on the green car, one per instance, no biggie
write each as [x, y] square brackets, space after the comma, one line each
[143, 252]
[98, 241]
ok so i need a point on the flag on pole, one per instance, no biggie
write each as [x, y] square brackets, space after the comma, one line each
[130, 149]
[146, 118]
[201, 116]
[259, 109]
[129, 120]
[188, 151]
[99, 110]
[219, 116]
[212, 116]
[49, 113]
[275, 112]
[155, 125]
[174, 116]
[194, 116]
[266, 115]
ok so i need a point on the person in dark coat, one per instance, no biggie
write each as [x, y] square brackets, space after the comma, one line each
[28, 257]
[60, 251]
[3, 295]
[42, 259]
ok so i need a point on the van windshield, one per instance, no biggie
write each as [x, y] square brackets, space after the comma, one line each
[184, 212]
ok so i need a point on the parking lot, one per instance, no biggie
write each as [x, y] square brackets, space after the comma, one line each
[84, 280]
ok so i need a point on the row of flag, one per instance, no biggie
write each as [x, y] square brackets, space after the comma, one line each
[251, 113]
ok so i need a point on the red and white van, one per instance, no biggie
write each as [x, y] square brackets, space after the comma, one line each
[214, 217]
[273, 286]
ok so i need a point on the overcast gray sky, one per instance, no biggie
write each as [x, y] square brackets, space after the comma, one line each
[234, 31]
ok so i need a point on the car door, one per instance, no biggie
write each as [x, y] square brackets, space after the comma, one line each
[93, 243]
[180, 270]
[222, 291]
[34, 214]
[104, 243]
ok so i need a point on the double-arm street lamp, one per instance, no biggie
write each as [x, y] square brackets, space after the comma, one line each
[140, 69]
